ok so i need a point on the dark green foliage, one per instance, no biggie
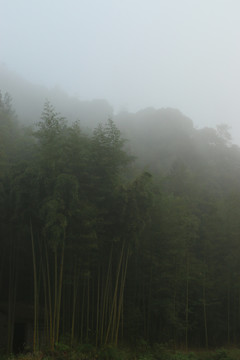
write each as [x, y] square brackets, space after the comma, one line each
[112, 353]
[119, 257]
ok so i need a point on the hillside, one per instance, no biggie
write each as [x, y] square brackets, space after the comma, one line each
[112, 236]
[29, 99]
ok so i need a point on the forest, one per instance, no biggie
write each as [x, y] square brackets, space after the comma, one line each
[126, 233]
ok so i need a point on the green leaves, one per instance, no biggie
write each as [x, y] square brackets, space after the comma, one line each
[54, 222]
[51, 124]
[108, 155]
[157, 252]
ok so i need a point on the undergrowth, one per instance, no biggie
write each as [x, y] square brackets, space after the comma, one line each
[110, 352]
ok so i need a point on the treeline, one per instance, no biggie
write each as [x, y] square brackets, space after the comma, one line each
[104, 251]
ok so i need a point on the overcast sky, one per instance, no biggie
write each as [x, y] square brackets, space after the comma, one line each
[134, 53]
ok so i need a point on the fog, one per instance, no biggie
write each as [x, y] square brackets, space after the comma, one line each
[133, 53]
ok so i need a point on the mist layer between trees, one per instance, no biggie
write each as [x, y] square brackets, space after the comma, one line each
[113, 236]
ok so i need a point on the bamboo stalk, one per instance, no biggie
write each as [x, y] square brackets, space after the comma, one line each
[35, 330]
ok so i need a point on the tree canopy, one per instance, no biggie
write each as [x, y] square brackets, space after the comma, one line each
[107, 247]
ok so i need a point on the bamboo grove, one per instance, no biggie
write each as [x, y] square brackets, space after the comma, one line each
[102, 251]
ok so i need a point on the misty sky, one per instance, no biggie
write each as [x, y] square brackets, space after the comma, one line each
[134, 53]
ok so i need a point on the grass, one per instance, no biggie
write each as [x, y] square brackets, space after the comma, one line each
[156, 352]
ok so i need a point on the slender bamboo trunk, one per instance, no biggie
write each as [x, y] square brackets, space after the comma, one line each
[228, 313]
[105, 300]
[55, 297]
[64, 313]
[59, 294]
[49, 295]
[121, 295]
[97, 309]
[2, 265]
[88, 307]
[174, 306]
[82, 311]
[46, 307]
[205, 310]
[12, 292]
[149, 302]
[93, 315]
[187, 304]
[35, 331]
[112, 318]
[75, 291]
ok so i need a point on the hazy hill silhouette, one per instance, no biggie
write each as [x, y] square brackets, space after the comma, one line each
[28, 101]
[157, 137]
